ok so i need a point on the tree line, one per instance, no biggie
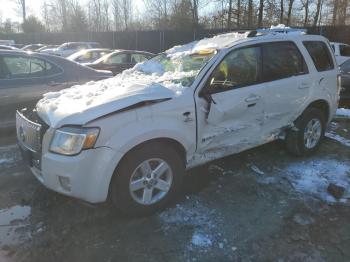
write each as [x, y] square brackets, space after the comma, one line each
[119, 15]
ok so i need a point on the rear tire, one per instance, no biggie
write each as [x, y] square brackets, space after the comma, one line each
[147, 179]
[305, 138]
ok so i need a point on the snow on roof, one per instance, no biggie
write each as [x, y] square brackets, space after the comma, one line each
[216, 42]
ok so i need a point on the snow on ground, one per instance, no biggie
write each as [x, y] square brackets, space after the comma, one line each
[9, 156]
[343, 112]
[340, 139]
[194, 214]
[312, 177]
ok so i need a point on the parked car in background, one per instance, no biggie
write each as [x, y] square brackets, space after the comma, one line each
[24, 77]
[345, 84]
[7, 47]
[47, 47]
[131, 138]
[341, 51]
[70, 48]
[7, 42]
[89, 55]
[120, 60]
[32, 47]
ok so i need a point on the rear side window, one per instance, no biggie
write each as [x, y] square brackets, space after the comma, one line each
[320, 55]
[24, 67]
[282, 60]
[344, 50]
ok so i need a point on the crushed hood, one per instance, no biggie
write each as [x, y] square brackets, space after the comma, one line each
[82, 103]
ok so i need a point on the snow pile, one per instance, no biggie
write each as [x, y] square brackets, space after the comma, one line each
[343, 112]
[193, 214]
[216, 42]
[340, 139]
[313, 177]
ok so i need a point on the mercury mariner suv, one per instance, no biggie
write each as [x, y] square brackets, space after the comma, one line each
[130, 138]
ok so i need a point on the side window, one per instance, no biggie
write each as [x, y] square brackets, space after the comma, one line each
[345, 67]
[138, 58]
[37, 67]
[344, 50]
[52, 69]
[282, 60]
[118, 59]
[239, 68]
[17, 66]
[320, 55]
[23, 67]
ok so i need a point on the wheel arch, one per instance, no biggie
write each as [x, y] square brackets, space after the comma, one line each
[323, 105]
[179, 147]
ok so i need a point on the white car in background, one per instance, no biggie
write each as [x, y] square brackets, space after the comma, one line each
[70, 48]
[341, 51]
[131, 137]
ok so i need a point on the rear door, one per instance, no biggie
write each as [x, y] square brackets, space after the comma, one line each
[288, 84]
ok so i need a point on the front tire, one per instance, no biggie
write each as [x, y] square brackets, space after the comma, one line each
[147, 179]
[305, 138]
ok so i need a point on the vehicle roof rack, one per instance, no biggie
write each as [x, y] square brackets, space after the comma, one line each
[276, 30]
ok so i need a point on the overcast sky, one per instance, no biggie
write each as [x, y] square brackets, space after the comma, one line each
[8, 8]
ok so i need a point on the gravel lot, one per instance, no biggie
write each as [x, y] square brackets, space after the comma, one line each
[260, 205]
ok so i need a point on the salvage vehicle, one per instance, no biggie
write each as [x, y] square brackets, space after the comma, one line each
[119, 60]
[25, 77]
[70, 48]
[130, 138]
[89, 55]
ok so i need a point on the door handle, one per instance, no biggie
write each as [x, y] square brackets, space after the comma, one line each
[252, 98]
[303, 86]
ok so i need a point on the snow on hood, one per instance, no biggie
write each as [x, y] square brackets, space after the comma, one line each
[96, 99]
[145, 82]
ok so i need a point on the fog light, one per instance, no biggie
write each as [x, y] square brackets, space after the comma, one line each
[65, 183]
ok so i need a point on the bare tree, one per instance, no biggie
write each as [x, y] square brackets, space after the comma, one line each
[229, 16]
[317, 14]
[305, 5]
[250, 13]
[261, 12]
[290, 6]
[21, 8]
[282, 12]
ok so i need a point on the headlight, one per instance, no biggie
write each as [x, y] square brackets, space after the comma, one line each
[72, 140]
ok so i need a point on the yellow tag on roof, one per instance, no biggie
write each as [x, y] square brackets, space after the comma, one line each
[206, 51]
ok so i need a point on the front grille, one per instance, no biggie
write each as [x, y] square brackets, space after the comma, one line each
[28, 133]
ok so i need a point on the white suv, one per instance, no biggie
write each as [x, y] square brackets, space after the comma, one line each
[341, 51]
[133, 136]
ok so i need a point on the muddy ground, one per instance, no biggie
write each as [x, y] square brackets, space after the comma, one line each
[260, 205]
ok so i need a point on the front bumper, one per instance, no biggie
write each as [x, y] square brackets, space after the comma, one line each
[89, 173]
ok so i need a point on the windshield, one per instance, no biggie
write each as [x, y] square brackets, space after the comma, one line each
[181, 69]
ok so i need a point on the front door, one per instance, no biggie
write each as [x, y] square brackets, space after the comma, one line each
[230, 107]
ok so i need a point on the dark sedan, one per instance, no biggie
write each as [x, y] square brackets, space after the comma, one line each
[25, 77]
[120, 60]
[345, 84]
